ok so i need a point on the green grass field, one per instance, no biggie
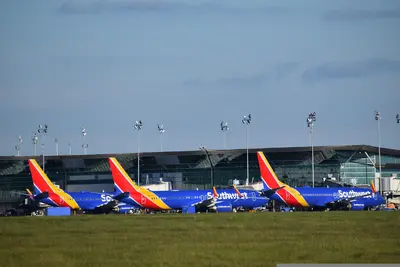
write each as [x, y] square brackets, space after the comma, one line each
[225, 239]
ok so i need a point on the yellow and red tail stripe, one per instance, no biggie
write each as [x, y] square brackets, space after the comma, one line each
[43, 184]
[288, 194]
[140, 195]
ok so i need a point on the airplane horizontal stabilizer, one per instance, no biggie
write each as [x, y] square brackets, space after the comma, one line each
[121, 196]
[41, 196]
[270, 192]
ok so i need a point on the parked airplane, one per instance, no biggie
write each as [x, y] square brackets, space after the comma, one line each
[189, 201]
[89, 202]
[338, 198]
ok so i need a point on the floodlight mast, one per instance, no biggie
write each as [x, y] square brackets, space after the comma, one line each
[310, 124]
[246, 121]
[204, 149]
[18, 146]
[224, 129]
[161, 130]
[43, 130]
[84, 144]
[70, 147]
[138, 127]
[56, 140]
[378, 119]
[34, 142]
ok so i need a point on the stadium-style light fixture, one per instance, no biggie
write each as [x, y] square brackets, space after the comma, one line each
[18, 146]
[310, 124]
[224, 129]
[204, 149]
[56, 140]
[378, 119]
[43, 130]
[34, 142]
[161, 130]
[70, 147]
[246, 121]
[138, 127]
[84, 144]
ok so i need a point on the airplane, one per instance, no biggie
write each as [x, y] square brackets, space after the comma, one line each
[88, 202]
[189, 201]
[316, 198]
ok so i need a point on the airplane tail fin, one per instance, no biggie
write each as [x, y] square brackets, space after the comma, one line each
[268, 176]
[122, 181]
[373, 187]
[41, 182]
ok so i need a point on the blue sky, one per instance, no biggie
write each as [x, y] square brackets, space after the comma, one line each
[190, 64]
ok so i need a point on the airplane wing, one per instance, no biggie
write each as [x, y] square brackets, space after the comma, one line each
[207, 203]
[106, 207]
[38, 197]
[111, 205]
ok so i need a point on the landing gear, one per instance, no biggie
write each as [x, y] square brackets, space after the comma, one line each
[37, 213]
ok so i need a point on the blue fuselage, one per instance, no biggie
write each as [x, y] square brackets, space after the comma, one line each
[320, 196]
[180, 199]
[87, 201]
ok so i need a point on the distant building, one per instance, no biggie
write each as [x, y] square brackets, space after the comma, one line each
[353, 164]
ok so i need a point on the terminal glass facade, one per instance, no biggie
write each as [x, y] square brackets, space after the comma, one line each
[191, 170]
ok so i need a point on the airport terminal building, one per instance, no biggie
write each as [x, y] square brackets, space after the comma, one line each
[355, 164]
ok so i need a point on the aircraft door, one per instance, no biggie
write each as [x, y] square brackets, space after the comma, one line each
[253, 196]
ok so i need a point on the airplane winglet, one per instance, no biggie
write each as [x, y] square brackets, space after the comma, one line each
[29, 193]
[237, 191]
[215, 192]
[373, 187]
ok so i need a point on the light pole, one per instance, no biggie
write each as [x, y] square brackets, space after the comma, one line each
[246, 121]
[43, 130]
[56, 140]
[204, 149]
[84, 144]
[70, 147]
[161, 130]
[18, 146]
[138, 127]
[310, 124]
[224, 129]
[378, 119]
[34, 142]
[398, 118]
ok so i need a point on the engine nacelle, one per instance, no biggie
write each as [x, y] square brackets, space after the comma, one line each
[356, 205]
[224, 207]
[124, 210]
